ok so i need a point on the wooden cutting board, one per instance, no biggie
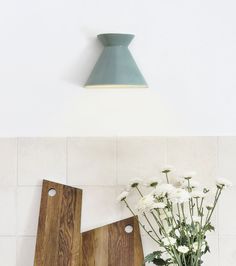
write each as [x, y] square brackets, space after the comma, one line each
[110, 245]
[59, 238]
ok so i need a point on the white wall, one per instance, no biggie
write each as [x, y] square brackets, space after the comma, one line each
[185, 49]
[101, 166]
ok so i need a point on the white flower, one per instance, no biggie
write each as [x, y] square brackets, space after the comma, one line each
[189, 175]
[177, 233]
[203, 247]
[185, 184]
[159, 205]
[222, 182]
[179, 195]
[167, 241]
[197, 194]
[123, 196]
[152, 182]
[165, 256]
[210, 206]
[146, 203]
[163, 189]
[196, 244]
[135, 182]
[162, 249]
[167, 169]
[183, 249]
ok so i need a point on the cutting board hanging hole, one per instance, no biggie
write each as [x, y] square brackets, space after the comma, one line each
[129, 229]
[52, 192]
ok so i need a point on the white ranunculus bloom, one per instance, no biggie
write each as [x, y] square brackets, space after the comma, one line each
[179, 195]
[222, 182]
[183, 249]
[163, 189]
[197, 194]
[123, 196]
[167, 241]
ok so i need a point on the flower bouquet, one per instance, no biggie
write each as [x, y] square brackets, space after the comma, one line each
[177, 216]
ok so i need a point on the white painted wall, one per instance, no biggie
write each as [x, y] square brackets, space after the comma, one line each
[101, 166]
[185, 49]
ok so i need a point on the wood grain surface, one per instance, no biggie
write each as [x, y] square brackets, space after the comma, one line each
[110, 245]
[59, 238]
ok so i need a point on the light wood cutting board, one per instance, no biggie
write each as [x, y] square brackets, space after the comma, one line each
[59, 238]
[110, 245]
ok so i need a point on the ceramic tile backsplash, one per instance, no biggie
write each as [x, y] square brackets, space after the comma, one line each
[101, 167]
[8, 251]
[8, 211]
[8, 159]
[227, 157]
[198, 154]
[28, 203]
[227, 213]
[41, 158]
[227, 251]
[99, 207]
[25, 247]
[91, 161]
[139, 157]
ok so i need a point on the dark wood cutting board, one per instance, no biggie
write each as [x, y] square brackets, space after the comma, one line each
[59, 238]
[111, 245]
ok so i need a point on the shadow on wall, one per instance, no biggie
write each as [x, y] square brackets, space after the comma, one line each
[80, 71]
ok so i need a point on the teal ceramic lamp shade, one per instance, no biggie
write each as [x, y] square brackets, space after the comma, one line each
[116, 67]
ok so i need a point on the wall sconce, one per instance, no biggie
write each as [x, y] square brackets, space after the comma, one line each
[116, 67]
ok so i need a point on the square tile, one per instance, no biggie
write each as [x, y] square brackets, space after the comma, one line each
[25, 251]
[198, 154]
[149, 246]
[8, 211]
[227, 251]
[8, 251]
[8, 159]
[227, 155]
[227, 212]
[100, 207]
[212, 258]
[41, 158]
[28, 204]
[139, 157]
[91, 161]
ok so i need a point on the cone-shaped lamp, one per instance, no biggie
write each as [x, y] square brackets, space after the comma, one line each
[116, 67]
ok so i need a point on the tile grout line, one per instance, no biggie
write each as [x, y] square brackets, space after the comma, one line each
[16, 195]
[116, 150]
[166, 150]
[218, 215]
[67, 140]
